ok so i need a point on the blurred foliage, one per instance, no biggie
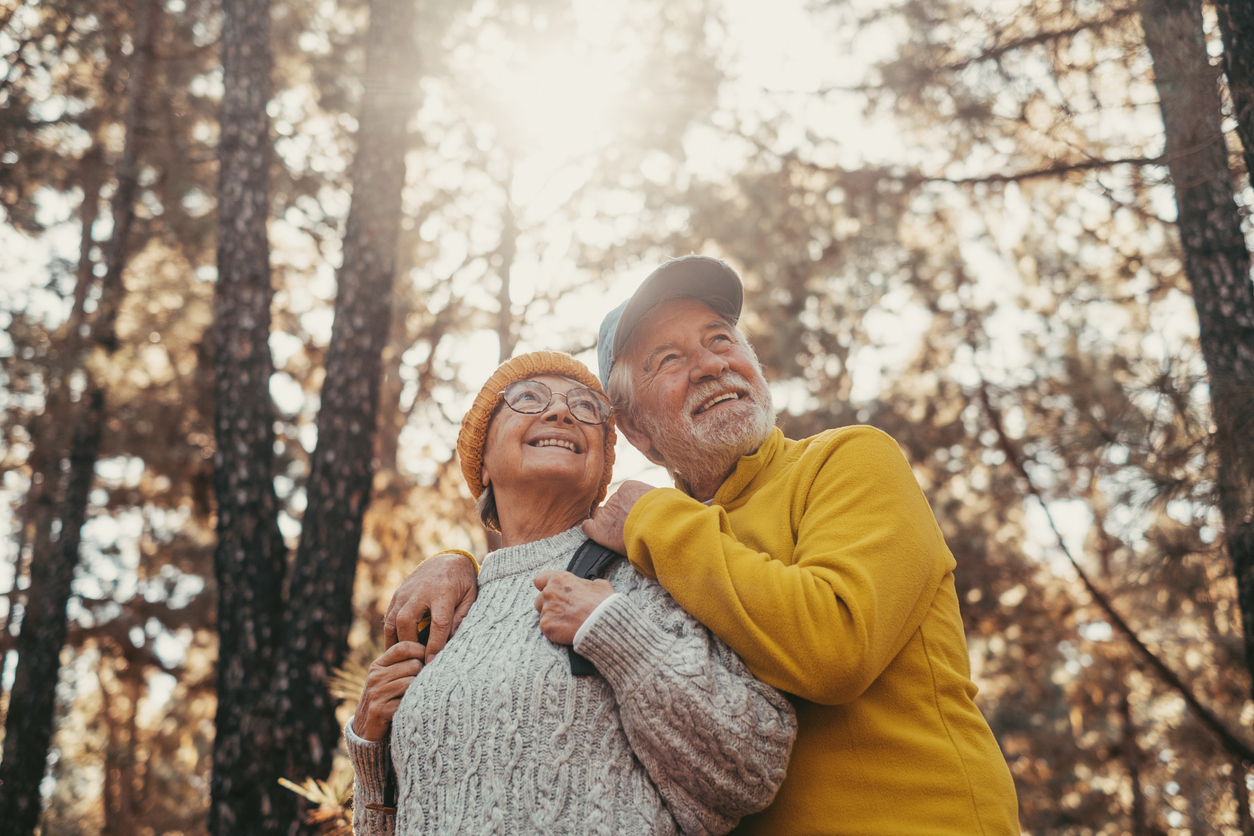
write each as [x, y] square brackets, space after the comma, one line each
[333, 797]
[1010, 236]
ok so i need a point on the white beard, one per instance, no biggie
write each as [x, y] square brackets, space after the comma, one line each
[701, 453]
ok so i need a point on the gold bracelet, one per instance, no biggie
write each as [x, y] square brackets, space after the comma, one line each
[462, 552]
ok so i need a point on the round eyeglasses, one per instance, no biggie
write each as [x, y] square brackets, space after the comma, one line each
[531, 397]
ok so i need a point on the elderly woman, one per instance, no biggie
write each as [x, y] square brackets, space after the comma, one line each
[496, 735]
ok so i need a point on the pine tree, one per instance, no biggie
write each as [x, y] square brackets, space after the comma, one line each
[319, 612]
[29, 721]
[250, 555]
[1217, 263]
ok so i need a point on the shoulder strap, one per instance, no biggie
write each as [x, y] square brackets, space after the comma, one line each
[589, 562]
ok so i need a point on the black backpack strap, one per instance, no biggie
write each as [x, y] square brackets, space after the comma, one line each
[589, 563]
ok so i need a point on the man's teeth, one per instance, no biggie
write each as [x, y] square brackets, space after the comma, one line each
[718, 399]
[556, 442]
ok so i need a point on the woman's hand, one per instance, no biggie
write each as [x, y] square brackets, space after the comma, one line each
[565, 602]
[386, 683]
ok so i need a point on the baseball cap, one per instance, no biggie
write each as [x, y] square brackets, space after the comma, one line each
[690, 276]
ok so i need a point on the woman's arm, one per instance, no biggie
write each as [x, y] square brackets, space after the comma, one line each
[714, 739]
[366, 737]
[371, 764]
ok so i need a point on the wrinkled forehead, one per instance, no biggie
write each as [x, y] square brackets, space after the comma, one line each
[672, 320]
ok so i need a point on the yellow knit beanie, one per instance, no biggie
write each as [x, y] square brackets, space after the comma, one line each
[474, 432]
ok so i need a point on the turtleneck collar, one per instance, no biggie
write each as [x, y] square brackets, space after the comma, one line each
[748, 469]
[529, 557]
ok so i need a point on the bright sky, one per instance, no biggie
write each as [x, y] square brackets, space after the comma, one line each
[564, 105]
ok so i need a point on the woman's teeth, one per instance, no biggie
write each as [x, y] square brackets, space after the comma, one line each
[555, 442]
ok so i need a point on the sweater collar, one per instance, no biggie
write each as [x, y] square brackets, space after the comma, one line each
[529, 557]
[749, 468]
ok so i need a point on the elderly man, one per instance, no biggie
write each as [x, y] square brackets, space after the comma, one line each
[818, 561]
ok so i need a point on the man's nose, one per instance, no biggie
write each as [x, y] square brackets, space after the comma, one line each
[708, 365]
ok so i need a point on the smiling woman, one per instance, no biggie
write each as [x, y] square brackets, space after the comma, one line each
[546, 445]
[502, 733]
[500, 444]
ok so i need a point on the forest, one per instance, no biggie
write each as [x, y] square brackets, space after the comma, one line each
[257, 256]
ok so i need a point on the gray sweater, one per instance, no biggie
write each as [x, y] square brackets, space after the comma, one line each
[497, 737]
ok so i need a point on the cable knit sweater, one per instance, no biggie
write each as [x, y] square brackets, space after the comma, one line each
[497, 737]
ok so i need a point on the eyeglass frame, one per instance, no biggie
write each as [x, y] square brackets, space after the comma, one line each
[596, 396]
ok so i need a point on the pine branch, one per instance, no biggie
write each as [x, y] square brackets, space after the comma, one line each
[1055, 169]
[1052, 170]
[995, 53]
[1230, 741]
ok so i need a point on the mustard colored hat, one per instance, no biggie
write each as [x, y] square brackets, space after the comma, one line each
[474, 431]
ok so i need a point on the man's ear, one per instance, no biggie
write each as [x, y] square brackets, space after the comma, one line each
[638, 438]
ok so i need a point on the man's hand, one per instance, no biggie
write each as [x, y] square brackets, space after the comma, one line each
[606, 523]
[565, 602]
[442, 587]
[386, 683]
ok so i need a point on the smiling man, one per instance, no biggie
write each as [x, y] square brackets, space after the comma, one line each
[818, 561]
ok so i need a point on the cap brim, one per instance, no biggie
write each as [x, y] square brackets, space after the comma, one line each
[693, 276]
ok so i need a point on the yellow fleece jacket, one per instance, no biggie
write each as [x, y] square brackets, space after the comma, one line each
[820, 563]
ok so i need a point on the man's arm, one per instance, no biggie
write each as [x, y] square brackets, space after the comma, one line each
[442, 588]
[867, 561]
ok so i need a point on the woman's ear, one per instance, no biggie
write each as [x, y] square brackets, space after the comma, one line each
[484, 478]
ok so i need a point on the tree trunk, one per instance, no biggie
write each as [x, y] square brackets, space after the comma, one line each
[61, 499]
[1218, 265]
[32, 701]
[507, 250]
[319, 612]
[250, 555]
[121, 783]
[1236, 23]
[48, 430]
[1132, 759]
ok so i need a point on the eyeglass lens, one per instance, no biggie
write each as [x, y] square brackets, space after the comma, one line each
[532, 397]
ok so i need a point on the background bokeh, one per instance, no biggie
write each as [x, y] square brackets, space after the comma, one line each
[952, 222]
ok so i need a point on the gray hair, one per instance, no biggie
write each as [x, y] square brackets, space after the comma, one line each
[485, 507]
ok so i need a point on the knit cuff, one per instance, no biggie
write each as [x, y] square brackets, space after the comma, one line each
[370, 764]
[624, 644]
[586, 627]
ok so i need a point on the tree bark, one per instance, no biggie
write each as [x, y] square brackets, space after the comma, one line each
[250, 554]
[506, 337]
[62, 498]
[32, 702]
[1130, 750]
[1236, 24]
[1218, 266]
[319, 612]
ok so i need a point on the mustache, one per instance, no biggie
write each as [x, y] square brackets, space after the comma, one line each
[702, 392]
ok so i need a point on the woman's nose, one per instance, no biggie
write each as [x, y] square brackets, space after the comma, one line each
[558, 410]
